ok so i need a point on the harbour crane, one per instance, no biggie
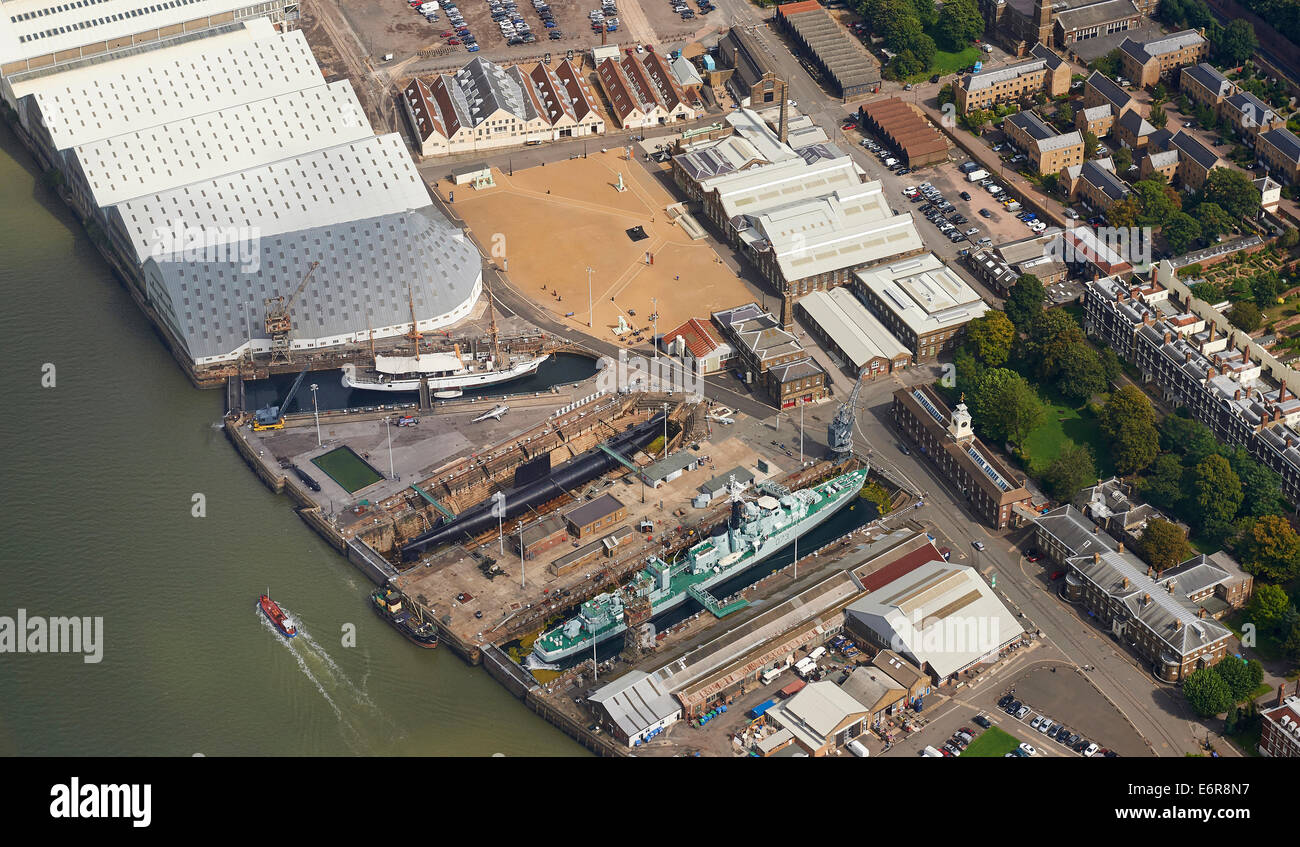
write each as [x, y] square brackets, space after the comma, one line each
[840, 431]
[279, 320]
[272, 417]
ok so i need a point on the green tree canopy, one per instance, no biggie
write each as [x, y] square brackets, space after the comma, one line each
[960, 23]
[1128, 422]
[1234, 43]
[1073, 468]
[1268, 605]
[1162, 485]
[1206, 692]
[1240, 677]
[1187, 437]
[1005, 406]
[1214, 220]
[1181, 231]
[1216, 491]
[1163, 544]
[990, 337]
[1050, 336]
[1245, 315]
[1079, 373]
[1232, 191]
[1270, 549]
[1025, 300]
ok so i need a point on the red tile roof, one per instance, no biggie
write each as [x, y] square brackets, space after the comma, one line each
[901, 567]
[701, 338]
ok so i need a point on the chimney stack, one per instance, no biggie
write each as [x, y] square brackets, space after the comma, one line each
[1124, 584]
[1146, 598]
[1167, 336]
[1281, 692]
[1096, 557]
[1178, 625]
[1187, 356]
[1150, 570]
[1121, 547]
[1200, 613]
[1236, 395]
[1170, 586]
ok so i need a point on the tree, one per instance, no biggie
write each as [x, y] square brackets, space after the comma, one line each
[960, 23]
[1261, 485]
[1233, 191]
[1245, 315]
[926, 13]
[1073, 468]
[1270, 549]
[1163, 544]
[1025, 300]
[1191, 438]
[1181, 231]
[1159, 94]
[1050, 335]
[1065, 115]
[1214, 221]
[947, 94]
[1206, 692]
[1239, 676]
[898, 24]
[1005, 406]
[1125, 213]
[1288, 239]
[1123, 158]
[1268, 605]
[1158, 118]
[1234, 43]
[1162, 485]
[1216, 491]
[1157, 200]
[1079, 373]
[1089, 144]
[1128, 422]
[990, 338]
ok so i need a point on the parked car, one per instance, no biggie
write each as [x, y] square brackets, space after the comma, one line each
[964, 195]
[1091, 749]
[978, 545]
[1028, 748]
[1004, 701]
[982, 721]
[985, 213]
[1035, 722]
[1021, 712]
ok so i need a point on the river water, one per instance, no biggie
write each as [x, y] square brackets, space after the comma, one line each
[100, 473]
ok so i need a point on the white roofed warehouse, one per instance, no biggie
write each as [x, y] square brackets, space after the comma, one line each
[219, 171]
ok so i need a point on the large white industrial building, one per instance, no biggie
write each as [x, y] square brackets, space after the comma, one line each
[220, 168]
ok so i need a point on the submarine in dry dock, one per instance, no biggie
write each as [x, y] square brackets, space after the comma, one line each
[524, 498]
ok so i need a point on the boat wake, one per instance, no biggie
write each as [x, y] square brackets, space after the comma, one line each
[351, 704]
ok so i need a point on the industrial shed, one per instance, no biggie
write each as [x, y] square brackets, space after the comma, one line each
[847, 64]
[899, 124]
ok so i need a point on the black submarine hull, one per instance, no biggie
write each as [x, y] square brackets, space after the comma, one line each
[522, 499]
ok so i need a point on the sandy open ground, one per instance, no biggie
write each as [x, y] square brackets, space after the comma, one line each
[551, 239]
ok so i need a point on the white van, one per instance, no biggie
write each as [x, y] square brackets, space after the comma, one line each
[817, 653]
[931, 753]
[770, 674]
[857, 748]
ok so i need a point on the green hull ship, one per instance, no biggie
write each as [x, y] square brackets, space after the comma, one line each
[755, 530]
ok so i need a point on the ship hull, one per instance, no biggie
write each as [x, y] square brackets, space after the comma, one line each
[770, 547]
[439, 384]
[270, 609]
[428, 643]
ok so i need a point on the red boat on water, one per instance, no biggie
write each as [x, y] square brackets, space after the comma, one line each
[277, 617]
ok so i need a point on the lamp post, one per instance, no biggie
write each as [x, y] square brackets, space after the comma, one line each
[523, 580]
[589, 307]
[316, 411]
[392, 474]
[654, 340]
[800, 433]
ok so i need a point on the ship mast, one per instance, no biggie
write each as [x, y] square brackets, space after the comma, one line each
[492, 318]
[414, 334]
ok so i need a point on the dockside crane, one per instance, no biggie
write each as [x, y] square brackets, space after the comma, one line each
[279, 319]
[272, 417]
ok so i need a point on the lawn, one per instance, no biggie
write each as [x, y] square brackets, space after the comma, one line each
[1248, 741]
[947, 63]
[348, 469]
[1267, 646]
[993, 743]
[1065, 422]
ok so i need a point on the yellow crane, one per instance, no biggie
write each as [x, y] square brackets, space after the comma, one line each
[279, 322]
